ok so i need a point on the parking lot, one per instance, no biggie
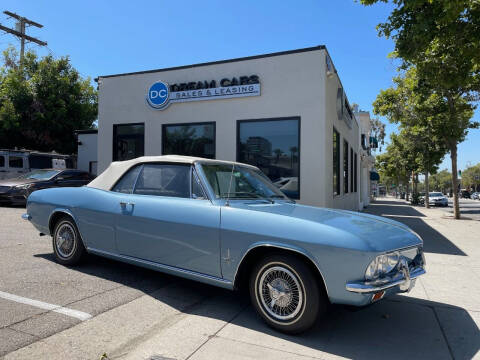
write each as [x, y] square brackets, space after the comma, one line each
[120, 311]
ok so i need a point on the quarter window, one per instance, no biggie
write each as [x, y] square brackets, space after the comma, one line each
[126, 183]
[273, 146]
[128, 141]
[164, 180]
[195, 139]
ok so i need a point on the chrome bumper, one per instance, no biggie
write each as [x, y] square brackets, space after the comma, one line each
[402, 278]
[26, 216]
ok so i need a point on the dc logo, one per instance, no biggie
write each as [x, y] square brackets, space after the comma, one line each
[158, 94]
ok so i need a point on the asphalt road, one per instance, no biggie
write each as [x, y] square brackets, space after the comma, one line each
[468, 208]
[100, 306]
[28, 272]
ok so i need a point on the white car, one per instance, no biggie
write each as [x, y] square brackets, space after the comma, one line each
[437, 199]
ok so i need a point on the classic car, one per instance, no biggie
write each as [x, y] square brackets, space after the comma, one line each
[226, 224]
[16, 191]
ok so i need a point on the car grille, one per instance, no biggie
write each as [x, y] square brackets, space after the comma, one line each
[4, 189]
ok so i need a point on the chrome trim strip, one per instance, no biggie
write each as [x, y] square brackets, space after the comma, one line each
[26, 216]
[279, 247]
[398, 279]
[166, 268]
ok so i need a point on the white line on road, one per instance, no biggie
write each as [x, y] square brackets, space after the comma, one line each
[42, 305]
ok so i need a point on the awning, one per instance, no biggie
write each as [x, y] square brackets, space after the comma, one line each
[374, 176]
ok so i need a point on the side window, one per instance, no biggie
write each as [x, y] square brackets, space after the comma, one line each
[126, 183]
[2, 161]
[197, 190]
[15, 162]
[164, 180]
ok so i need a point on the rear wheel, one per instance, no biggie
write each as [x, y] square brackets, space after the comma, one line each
[67, 244]
[285, 293]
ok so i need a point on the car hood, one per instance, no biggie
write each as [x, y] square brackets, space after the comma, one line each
[14, 182]
[376, 233]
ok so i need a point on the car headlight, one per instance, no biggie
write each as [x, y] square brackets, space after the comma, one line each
[382, 265]
[24, 186]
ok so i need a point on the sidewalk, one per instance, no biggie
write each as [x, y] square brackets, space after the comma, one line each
[439, 319]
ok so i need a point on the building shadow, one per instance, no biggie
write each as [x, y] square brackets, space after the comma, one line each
[433, 241]
[396, 328]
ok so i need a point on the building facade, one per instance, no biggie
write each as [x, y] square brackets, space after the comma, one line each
[87, 150]
[286, 113]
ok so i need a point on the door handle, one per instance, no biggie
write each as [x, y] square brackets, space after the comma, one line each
[124, 204]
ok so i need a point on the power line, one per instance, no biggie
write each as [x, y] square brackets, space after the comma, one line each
[19, 31]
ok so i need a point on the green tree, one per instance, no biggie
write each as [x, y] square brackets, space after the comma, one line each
[440, 38]
[441, 181]
[421, 122]
[43, 102]
[471, 177]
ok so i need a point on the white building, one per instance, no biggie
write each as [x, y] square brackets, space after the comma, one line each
[286, 113]
[367, 161]
[87, 145]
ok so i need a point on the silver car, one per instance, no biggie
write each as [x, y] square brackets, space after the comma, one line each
[437, 199]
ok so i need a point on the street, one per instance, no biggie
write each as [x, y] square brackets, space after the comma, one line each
[125, 312]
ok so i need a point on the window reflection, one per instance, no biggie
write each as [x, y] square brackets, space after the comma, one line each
[273, 146]
[128, 141]
[196, 139]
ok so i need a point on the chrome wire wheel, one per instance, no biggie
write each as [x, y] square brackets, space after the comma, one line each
[281, 293]
[65, 240]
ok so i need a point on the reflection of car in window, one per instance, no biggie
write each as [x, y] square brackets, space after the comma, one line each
[288, 185]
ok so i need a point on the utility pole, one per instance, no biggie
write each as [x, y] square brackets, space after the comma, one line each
[19, 32]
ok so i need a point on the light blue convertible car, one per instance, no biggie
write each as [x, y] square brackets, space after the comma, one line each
[226, 224]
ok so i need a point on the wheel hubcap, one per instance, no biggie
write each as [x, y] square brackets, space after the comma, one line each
[65, 240]
[280, 293]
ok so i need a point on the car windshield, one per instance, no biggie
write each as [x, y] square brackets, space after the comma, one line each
[435, 194]
[40, 175]
[240, 182]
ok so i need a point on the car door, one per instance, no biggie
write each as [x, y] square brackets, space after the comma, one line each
[160, 221]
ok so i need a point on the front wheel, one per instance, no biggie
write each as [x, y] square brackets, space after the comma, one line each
[67, 244]
[285, 293]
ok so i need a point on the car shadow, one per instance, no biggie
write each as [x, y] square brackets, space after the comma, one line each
[398, 327]
[433, 241]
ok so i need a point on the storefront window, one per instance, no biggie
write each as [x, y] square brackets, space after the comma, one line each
[345, 166]
[128, 141]
[352, 174]
[355, 173]
[336, 162]
[274, 147]
[195, 139]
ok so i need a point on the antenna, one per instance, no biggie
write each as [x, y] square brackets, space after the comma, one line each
[227, 203]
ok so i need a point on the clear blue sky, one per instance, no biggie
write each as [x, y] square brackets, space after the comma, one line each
[109, 37]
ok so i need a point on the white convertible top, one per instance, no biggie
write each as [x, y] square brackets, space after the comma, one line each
[109, 177]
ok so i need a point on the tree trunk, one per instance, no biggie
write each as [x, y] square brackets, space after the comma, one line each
[456, 207]
[427, 189]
